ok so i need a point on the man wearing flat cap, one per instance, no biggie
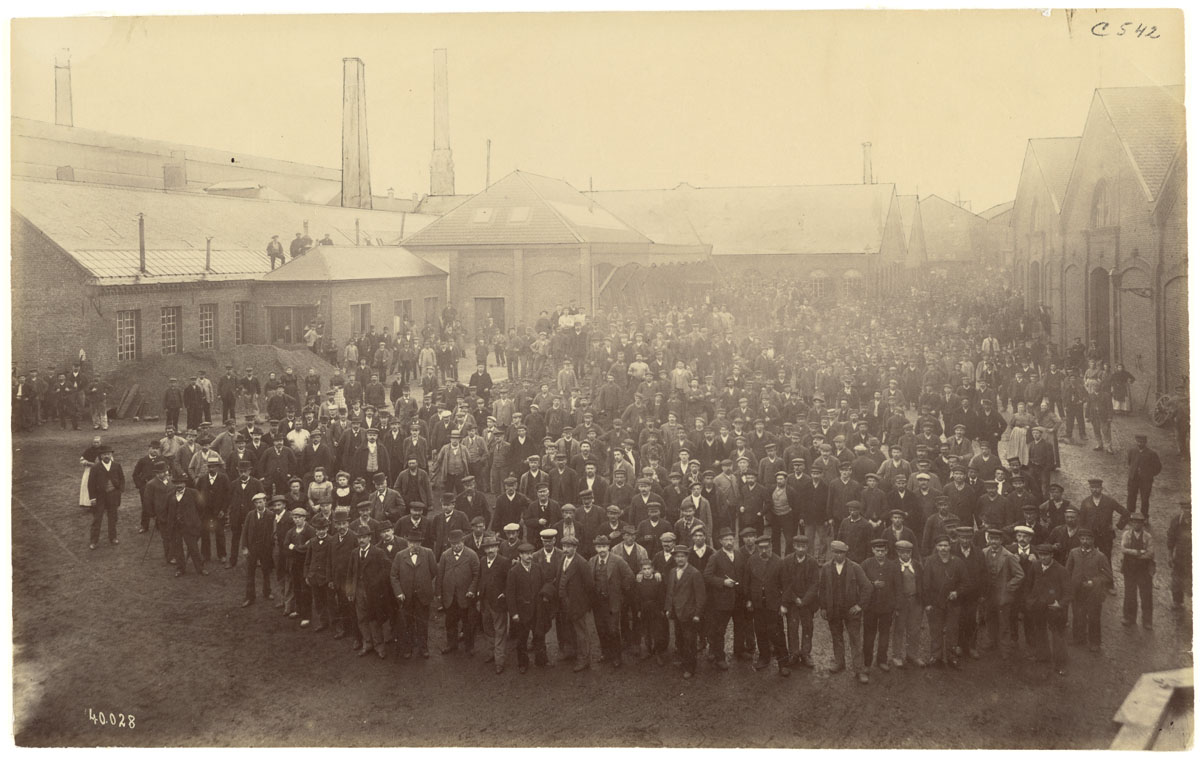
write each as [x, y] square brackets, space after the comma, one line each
[612, 582]
[1090, 574]
[1004, 577]
[1047, 596]
[843, 592]
[574, 590]
[943, 579]
[1142, 464]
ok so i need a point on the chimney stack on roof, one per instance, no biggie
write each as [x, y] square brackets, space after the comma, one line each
[142, 244]
[868, 174]
[356, 166]
[63, 112]
[208, 269]
[441, 167]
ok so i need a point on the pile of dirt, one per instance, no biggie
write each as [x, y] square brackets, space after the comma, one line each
[150, 375]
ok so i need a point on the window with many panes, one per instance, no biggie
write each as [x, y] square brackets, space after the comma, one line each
[208, 326]
[820, 284]
[129, 344]
[360, 318]
[239, 323]
[170, 330]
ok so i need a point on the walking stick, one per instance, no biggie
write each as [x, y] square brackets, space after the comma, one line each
[150, 541]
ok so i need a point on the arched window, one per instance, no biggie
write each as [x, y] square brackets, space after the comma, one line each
[852, 283]
[820, 284]
[1102, 205]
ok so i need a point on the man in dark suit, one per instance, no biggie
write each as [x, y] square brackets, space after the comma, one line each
[258, 542]
[574, 585]
[612, 579]
[184, 514]
[764, 597]
[318, 453]
[386, 503]
[413, 572]
[449, 520]
[369, 592]
[726, 578]
[106, 482]
[799, 596]
[415, 528]
[685, 604]
[884, 574]
[470, 501]
[277, 466]
[1143, 465]
[493, 605]
[241, 503]
[843, 592]
[457, 587]
[344, 544]
[549, 558]
[413, 483]
[522, 589]
[214, 491]
[510, 508]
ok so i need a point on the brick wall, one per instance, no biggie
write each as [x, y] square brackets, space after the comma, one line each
[51, 311]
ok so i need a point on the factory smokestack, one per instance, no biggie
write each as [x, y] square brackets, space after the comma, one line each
[356, 165]
[441, 168]
[63, 112]
[868, 175]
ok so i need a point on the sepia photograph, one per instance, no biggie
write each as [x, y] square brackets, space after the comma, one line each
[705, 379]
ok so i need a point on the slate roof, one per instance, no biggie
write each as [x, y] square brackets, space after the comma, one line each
[1151, 125]
[524, 208]
[336, 263]
[996, 210]
[98, 226]
[812, 220]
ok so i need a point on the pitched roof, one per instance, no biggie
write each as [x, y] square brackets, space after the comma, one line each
[1150, 123]
[813, 220]
[337, 263]
[908, 214]
[996, 210]
[98, 226]
[951, 231]
[1055, 158]
[524, 208]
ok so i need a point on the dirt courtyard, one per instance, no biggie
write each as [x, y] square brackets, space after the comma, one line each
[105, 631]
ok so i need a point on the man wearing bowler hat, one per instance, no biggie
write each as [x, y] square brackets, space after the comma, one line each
[457, 587]
[105, 484]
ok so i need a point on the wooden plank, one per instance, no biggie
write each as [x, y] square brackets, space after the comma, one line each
[128, 401]
[1142, 713]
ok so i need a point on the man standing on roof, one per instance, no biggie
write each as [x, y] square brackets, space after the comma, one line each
[275, 250]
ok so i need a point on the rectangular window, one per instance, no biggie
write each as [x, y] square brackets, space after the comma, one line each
[819, 288]
[170, 330]
[239, 323]
[360, 318]
[129, 343]
[401, 312]
[208, 326]
[431, 311]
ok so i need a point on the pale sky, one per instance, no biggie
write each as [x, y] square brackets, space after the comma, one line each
[632, 101]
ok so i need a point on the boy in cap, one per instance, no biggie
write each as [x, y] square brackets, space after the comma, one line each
[843, 592]
[649, 591]
[297, 541]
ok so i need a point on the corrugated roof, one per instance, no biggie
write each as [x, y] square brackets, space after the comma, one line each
[440, 205]
[98, 225]
[1055, 157]
[335, 263]
[1150, 123]
[524, 208]
[812, 220]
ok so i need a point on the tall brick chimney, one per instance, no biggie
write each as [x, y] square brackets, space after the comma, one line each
[356, 166]
[63, 112]
[441, 167]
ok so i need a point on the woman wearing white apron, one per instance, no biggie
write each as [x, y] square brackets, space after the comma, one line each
[89, 457]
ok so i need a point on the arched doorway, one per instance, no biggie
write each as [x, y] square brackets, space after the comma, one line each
[1034, 293]
[1099, 316]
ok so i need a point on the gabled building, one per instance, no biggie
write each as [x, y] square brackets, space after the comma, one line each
[1037, 223]
[914, 232]
[954, 236]
[530, 243]
[842, 239]
[998, 238]
[1123, 267]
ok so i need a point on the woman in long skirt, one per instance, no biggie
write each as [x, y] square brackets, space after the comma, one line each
[1017, 439]
[86, 459]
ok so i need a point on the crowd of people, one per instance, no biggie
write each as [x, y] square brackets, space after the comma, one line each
[736, 457]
